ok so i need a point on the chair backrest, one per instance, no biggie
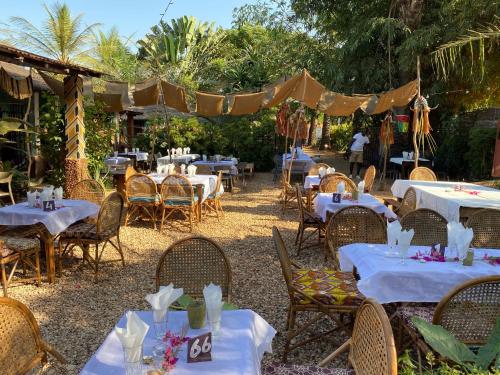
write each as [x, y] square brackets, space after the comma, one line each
[369, 178]
[409, 202]
[300, 202]
[110, 215]
[6, 177]
[314, 171]
[372, 349]
[22, 347]
[203, 169]
[88, 190]
[192, 263]
[286, 264]
[297, 165]
[140, 186]
[429, 226]
[176, 188]
[218, 183]
[486, 227]
[130, 171]
[423, 174]
[328, 184]
[470, 310]
[354, 224]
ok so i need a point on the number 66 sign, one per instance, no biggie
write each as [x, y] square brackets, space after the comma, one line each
[199, 349]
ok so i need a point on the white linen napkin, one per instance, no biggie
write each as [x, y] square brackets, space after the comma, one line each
[132, 336]
[31, 196]
[171, 168]
[393, 230]
[321, 172]
[191, 170]
[178, 151]
[58, 193]
[188, 150]
[462, 239]
[405, 154]
[453, 229]
[46, 193]
[404, 240]
[361, 187]
[213, 301]
[173, 151]
[183, 168]
[330, 170]
[410, 155]
[161, 301]
[204, 157]
[341, 187]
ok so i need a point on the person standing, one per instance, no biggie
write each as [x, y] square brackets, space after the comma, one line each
[359, 140]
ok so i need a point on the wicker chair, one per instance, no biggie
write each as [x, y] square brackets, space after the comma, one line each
[486, 226]
[328, 183]
[407, 204]
[307, 220]
[192, 263]
[325, 293]
[177, 195]
[369, 178]
[314, 171]
[353, 224]
[422, 174]
[213, 201]
[84, 235]
[15, 251]
[297, 167]
[6, 178]
[468, 312]
[129, 172]
[88, 190]
[203, 169]
[429, 226]
[371, 348]
[141, 197]
[23, 347]
[287, 194]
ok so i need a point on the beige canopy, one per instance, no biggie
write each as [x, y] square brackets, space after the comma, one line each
[16, 80]
[209, 104]
[146, 93]
[335, 104]
[243, 104]
[174, 96]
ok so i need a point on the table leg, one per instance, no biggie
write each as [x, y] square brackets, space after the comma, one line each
[309, 199]
[199, 191]
[50, 259]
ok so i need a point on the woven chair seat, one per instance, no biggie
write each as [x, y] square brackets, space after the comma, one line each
[328, 286]
[424, 312]
[180, 202]
[19, 244]
[85, 231]
[289, 369]
[312, 219]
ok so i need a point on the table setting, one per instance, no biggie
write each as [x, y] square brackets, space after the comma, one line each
[204, 339]
[312, 182]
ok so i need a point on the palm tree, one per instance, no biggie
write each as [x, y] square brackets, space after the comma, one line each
[61, 36]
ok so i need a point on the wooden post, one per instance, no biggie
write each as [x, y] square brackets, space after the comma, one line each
[416, 113]
[130, 129]
[36, 112]
[75, 164]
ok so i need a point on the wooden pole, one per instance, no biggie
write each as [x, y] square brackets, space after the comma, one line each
[294, 140]
[416, 113]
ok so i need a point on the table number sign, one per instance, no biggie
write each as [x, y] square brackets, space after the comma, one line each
[336, 198]
[49, 205]
[199, 349]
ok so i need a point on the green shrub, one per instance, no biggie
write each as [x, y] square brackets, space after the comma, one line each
[341, 135]
[479, 156]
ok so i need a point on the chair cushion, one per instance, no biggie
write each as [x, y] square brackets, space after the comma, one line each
[83, 230]
[289, 369]
[145, 199]
[180, 201]
[408, 312]
[18, 244]
[216, 195]
[329, 286]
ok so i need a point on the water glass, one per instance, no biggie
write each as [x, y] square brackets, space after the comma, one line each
[133, 360]
[214, 320]
[160, 319]
[403, 252]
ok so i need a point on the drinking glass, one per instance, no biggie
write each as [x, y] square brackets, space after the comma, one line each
[132, 357]
[403, 251]
[160, 318]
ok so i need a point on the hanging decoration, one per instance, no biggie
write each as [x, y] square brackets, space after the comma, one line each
[387, 130]
[282, 120]
[402, 123]
[421, 125]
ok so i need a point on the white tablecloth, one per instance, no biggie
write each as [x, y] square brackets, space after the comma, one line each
[311, 181]
[243, 339]
[229, 164]
[399, 160]
[306, 159]
[208, 181]
[55, 221]
[139, 156]
[387, 279]
[181, 159]
[442, 197]
[323, 204]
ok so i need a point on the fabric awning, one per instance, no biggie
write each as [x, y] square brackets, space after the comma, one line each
[335, 104]
[146, 93]
[16, 80]
[174, 96]
[399, 97]
[281, 91]
[55, 85]
[245, 104]
[308, 90]
[209, 104]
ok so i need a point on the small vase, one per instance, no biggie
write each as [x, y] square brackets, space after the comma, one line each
[196, 314]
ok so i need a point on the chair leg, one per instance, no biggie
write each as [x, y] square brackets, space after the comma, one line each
[4, 280]
[298, 233]
[120, 250]
[301, 239]
[162, 218]
[37, 265]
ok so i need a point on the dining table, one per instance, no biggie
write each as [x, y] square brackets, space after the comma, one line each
[231, 165]
[388, 278]
[48, 224]
[178, 159]
[455, 201]
[237, 349]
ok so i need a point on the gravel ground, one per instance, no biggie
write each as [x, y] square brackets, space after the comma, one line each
[75, 314]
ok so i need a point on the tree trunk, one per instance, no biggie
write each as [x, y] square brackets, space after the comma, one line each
[312, 128]
[325, 133]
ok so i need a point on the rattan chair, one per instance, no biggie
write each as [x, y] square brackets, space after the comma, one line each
[407, 204]
[353, 224]
[192, 263]
[23, 347]
[6, 178]
[213, 201]
[15, 251]
[369, 178]
[297, 167]
[468, 312]
[307, 220]
[429, 226]
[325, 293]
[88, 190]
[314, 171]
[371, 348]
[486, 227]
[328, 184]
[422, 174]
[129, 172]
[84, 235]
[203, 169]
[288, 194]
[141, 197]
[177, 196]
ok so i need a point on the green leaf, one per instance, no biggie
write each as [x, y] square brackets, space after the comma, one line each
[183, 302]
[444, 342]
[491, 350]
[229, 306]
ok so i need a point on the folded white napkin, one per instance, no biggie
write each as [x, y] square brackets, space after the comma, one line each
[330, 170]
[46, 193]
[204, 157]
[132, 336]
[361, 187]
[463, 242]
[31, 196]
[453, 230]
[405, 154]
[171, 168]
[393, 230]
[341, 187]
[161, 301]
[178, 151]
[173, 151]
[213, 301]
[188, 150]
[191, 170]
[183, 168]
[459, 238]
[321, 172]
[217, 158]
[58, 193]
[404, 238]
[410, 155]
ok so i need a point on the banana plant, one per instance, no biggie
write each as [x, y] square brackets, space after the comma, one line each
[443, 342]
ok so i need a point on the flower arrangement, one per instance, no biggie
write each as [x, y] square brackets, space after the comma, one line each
[174, 343]
[494, 261]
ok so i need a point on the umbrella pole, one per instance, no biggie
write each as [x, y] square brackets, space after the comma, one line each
[417, 113]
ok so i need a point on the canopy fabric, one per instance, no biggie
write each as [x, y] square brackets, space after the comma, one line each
[112, 102]
[335, 104]
[146, 93]
[114, 87]
[244, 104]
[399, 97]
[174, 96]
[281, 91]
[16, 81]
[55, 85]
[308, 90]
[209, 104]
